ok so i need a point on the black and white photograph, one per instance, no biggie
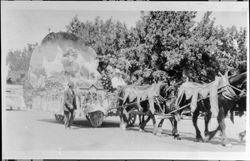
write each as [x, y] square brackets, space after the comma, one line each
[129, 80]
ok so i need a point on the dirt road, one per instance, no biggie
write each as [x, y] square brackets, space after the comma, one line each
[38, 131]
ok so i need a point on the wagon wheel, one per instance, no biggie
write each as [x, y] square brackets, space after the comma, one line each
[59, 117]
[131, 119]
[96, 118]
[56, 117]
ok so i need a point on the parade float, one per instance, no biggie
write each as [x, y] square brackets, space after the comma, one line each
[62, 57]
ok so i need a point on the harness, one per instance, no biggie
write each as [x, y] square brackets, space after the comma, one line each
[229, 93]
[159, 100]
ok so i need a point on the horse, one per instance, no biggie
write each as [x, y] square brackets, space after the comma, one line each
[240, 107]
[149, 93]
[164, 106]
[225, 104]
[126, 103]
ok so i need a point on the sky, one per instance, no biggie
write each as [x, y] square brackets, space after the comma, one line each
[31, 26]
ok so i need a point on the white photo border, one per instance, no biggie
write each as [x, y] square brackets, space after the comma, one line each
[121, 6]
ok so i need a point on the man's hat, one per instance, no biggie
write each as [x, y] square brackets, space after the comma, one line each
[71, 84]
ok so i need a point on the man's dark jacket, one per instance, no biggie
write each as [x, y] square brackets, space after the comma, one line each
[69, 99]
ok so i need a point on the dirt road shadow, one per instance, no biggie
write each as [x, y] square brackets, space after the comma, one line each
[150, 130]
[214, 141]
[77, 124]
[187, 136]
[16, 110]
[86, 124]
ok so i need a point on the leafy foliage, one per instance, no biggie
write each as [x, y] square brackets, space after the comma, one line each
[18, 62]
[165, 45]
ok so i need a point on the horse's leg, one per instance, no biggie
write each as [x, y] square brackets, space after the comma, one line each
[211, 134]
[159, 130]
[207, 118]
[144, 123]
[139, 104]
[242, 135]
[151, 115]
[194, 119]
[140, 119]
[174, 128]
[123, 124]
[222, 125]
[141, 123]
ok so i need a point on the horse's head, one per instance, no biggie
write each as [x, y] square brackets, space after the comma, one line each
[167, 91]
[237, 79]
[232, 85]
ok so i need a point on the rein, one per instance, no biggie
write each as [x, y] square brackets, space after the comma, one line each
[230, 94]
[220, 90]
[237, 89]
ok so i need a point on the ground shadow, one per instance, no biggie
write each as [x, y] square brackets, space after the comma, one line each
[77, 124]
[53, 121]
[14, 110]
[136, 128]
[183, 136]
[150, 130]
[86, 124]
[214, 141]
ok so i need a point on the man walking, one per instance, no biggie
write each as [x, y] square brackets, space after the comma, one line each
[69, 105]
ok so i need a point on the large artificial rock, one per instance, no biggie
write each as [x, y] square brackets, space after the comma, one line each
[62, 57]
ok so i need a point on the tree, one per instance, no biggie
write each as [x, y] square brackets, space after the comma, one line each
[159, 38]
[18, 62]
[165, 45]
[201, 47]
[232, 53]
[107, 38]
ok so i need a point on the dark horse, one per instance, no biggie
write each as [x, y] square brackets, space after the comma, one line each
[240, 107]
[225, 104]
[159, 106]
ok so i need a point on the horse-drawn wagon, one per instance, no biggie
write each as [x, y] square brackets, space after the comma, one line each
[95, 103]
[62, 57]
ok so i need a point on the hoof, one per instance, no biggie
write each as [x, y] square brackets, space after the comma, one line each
[159, 132]
[199, 140]
[229, 145]
[177, 137]
[141, 130]
[155, 132]
[241, 137]
[123, 126]
[206, 138]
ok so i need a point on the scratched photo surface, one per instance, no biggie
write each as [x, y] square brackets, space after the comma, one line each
[90, 81]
